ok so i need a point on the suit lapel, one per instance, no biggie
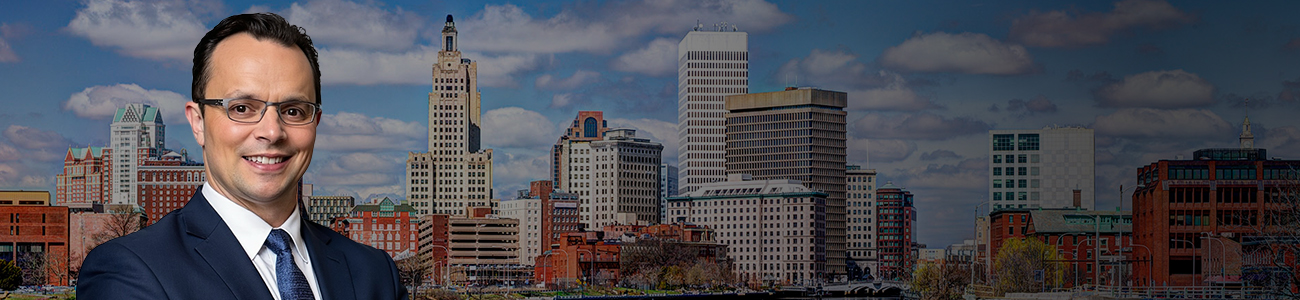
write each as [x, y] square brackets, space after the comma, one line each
[221, 250]
[330, 265]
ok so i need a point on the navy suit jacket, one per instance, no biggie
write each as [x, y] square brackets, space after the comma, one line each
[192, 254]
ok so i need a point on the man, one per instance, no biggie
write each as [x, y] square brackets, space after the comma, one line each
[256, 92]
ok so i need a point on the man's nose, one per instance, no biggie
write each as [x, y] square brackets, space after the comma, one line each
[270, 128]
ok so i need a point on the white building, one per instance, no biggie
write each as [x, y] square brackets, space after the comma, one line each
[861, 218]
[667, 188]
[571, 166]
[137, 135]
[625, 186]
[775, 229]
[455, 173]
[711, 64]
[528, 210]
[1051, 167]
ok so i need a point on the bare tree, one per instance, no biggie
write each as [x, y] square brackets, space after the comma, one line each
[1027, 265]
[411, 271]
[1272, 256]
[123, 221]
[33, 268]
[942, 280]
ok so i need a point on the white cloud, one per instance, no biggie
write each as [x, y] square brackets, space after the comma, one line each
[101, 102]
[895, 95]
[879, 150]
[578, 79]
[970, 53]
[841, 70]
[360, 171]
[347, 131]
[659, 58]
[601, 28]
[513, 169]
[38, 140]
[7, 53]
[346, 23]
[1162, 124]
[1158, 89]
[147, 29]
[658, 131]
[347, 66]
[17, 175]
[917, 126]
[1063, 29]
[564, 100]
[514, 127]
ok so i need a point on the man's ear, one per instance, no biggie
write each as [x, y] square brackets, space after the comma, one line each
[194, 113]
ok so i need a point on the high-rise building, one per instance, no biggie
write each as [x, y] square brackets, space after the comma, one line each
[571, 166]
[455, 173]
[799, 134]
[544, 215]
[84, 180]
[625, 185]
[711, 64]
[860, 232]
[775, 229]
[667, 188]
[323, 209]
[528, 210]
[137, 134]
[894, 219]
[1048, 168]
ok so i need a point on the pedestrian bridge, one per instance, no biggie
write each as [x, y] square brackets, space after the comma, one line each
[878, 288]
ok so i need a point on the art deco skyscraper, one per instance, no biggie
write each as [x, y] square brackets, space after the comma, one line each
[711, 64]
[455, 173]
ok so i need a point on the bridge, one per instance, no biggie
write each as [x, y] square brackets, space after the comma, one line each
[878, 288]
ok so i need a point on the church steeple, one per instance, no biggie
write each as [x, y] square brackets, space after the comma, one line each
[1247, 139]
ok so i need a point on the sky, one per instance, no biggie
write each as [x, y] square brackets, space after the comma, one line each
[926, 80]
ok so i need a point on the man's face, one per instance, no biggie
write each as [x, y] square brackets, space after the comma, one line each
[255, 163]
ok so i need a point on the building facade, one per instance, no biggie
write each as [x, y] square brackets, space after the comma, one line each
[1089, 242]
[528, 210]
[323, 209]
[775, 229]
[480, 238]
[455, 173]
[625, 189]
[84, 180]
[711, 65]
[37, 236]
[799, 134]
[667, 188]
[895, 237]
[860, 231]
[387, 226]
[167, 184]
[571, 159]
[137, 134]
[1050, 168]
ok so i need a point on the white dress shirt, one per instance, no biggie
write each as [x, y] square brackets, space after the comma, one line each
[251, 231]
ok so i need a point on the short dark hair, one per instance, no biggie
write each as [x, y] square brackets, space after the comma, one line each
[261, 26]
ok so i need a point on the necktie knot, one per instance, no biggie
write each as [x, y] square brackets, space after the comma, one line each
[279, 242]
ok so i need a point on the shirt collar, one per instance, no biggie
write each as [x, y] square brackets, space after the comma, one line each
[249, 229]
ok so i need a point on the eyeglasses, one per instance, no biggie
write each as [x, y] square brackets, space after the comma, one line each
[245, 110]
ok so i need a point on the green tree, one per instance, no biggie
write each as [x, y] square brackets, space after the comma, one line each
[10, 277]
[943, 280]
[1019, 259]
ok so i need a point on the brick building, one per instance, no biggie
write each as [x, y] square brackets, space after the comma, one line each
[387, 226]
[167, 183]
[1076, 235]
[434, 241]
[593, 257]
[895, 235]
[37, 236]
[84, 179]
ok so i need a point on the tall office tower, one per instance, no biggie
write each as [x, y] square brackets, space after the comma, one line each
[894, 219]
[711, 64]
[667, 188]
[774, 229]
[625, 189]
[860, 232]
[84, 180]
[455, 174]
[571, 165]
[1048, 168]
[137, 134]
[795, 134]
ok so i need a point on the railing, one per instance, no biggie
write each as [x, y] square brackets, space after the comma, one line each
[1188, 292]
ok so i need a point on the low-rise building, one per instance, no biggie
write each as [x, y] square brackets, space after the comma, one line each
[386, 225]
[37, 236]
[323, 209]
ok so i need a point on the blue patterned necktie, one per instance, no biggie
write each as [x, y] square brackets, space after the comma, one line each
[288, 278]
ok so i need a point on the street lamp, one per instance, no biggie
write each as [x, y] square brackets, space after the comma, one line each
[1210, 237]
[1193, 246]
[552, 259]
[445, 262]
[592, 265]
[1151, 260]
[1121, 216]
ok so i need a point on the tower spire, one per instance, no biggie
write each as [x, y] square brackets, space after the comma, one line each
[1247, 139]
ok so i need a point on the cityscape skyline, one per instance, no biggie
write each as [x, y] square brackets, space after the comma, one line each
[1152, 87]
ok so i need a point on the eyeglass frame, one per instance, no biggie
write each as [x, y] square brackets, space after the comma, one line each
[222, 102]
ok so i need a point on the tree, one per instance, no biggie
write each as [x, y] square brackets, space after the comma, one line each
[1272, 255]
[411, 271]
[32, 265]
[1020, 259]
[10, 277]
[653, 263]
[123, 220]
[941, 280]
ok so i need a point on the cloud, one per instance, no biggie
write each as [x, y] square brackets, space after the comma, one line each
[360, 171]
[969, 53]
[101, 102]
[36, 139]
[1158, 89]
[939, 154]
[8, 32]
[1063, 29]
[1281, 142]
[563, 100]
[514, 127]
[1039, 104]
[359, 67]
[970, 174]
[602, 28]
[659, 58]
[349, 24]
[347, 131]
[841, 70]
[917, 126]
[658, 131]
[1290, 91]
[160, 30]
[1149, 123]
[879, 150]
[513, 169]
[578, 79]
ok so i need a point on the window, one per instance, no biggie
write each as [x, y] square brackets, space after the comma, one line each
[1022, 159]
[997, 159]
[1027, 141]
[997, 171]
[1002, 142]
[997, 183]
[1024, 171]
